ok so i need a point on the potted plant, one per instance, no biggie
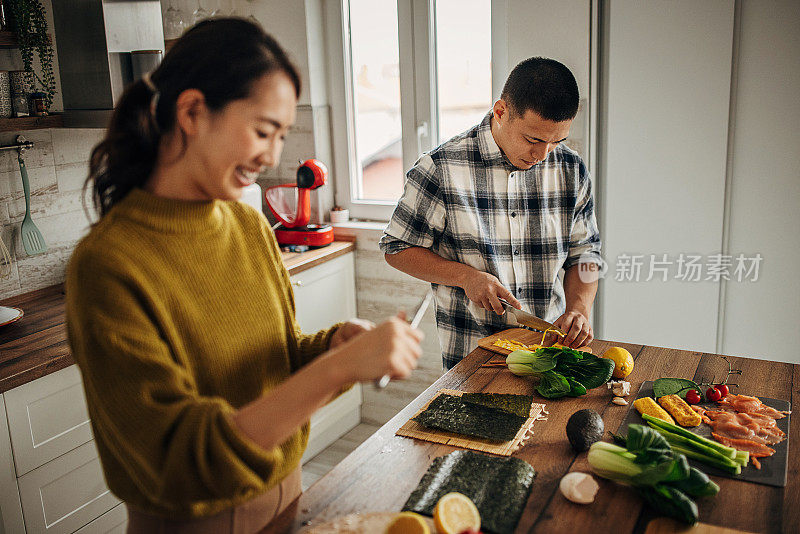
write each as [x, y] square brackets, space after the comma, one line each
[30, 24]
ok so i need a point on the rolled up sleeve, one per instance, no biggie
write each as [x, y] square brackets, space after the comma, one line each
[584, 243]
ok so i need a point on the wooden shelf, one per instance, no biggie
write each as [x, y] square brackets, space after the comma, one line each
[17, 124]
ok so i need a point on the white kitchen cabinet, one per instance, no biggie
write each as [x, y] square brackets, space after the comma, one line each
[325, 295]
[66, 493]
[47, 418]
[115, 521]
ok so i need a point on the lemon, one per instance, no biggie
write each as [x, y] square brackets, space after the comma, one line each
[408, 523]
[454, 513]
[623, 361]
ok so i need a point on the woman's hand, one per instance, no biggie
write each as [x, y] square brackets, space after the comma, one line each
[348, 330]
[391, 348]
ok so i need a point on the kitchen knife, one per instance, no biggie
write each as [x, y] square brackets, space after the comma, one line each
[530, 320]
[423, 305]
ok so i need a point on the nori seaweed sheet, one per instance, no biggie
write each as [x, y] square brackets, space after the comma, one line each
[509, 402]
[452, 414]
[499, 487]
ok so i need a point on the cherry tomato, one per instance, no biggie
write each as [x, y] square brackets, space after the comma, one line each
[723, 389]
[713, 394]
[693, 396]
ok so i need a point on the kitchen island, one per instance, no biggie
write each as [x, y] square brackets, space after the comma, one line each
[385, 469]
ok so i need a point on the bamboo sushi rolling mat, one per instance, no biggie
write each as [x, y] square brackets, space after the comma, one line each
[412, 429]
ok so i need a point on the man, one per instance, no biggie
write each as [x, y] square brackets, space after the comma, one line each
[498, 211]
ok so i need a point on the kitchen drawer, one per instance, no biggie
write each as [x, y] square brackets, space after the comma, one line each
[326, 294]
[115, 521]
[66, 493]
[47, 418]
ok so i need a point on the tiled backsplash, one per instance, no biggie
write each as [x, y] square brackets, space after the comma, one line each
[57, 167]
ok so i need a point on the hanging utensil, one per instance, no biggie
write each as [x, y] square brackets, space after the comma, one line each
[32, 238]
[423, 305]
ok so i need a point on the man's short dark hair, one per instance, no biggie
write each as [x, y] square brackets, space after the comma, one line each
[544, 86]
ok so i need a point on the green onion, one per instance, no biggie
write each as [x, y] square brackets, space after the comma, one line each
[675, 429]
[742, 457]
[731, 467]
[702, 448]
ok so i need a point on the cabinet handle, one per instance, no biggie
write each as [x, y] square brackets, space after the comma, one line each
[297, 283]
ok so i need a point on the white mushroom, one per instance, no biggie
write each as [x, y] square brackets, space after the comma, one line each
[579, 487]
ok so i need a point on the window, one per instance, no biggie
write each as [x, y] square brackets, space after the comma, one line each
[411, 74]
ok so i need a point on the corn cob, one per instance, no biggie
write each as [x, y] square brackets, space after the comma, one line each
[682, 412]
[646, 405]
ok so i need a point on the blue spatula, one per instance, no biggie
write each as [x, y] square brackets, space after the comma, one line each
[32, 238]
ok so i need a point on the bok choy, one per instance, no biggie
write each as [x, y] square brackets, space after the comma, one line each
[561, 371]
[660, 475]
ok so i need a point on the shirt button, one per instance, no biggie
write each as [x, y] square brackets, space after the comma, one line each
[516, 252]
[513, 214]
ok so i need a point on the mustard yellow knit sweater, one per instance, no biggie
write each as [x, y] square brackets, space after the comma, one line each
[179, 313]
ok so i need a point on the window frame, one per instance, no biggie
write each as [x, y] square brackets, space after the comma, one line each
[418, 82]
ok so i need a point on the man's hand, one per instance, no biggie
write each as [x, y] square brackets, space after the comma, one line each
[576, 325]
[349, 330]
[484, 289]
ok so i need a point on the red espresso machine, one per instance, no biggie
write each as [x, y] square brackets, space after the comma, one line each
[294, 227]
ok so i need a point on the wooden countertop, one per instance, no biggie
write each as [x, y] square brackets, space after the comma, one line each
[36, 345]
[381, 473]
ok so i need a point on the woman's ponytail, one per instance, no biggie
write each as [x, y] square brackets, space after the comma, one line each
[219, 57]
[127, 155]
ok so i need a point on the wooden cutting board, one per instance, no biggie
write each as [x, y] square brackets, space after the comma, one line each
[665, 525]
[520, 335]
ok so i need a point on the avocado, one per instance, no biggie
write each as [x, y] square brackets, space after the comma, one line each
[584, 428]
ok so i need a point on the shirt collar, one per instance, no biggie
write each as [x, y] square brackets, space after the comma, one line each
[489, 150]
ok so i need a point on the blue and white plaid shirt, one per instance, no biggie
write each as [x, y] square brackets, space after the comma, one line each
[467, 203]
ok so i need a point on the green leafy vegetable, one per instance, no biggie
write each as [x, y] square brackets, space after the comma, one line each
[673, 386]
[659, 472]
[553, 385]
[699, 448]
[670, 501]
[562, 371]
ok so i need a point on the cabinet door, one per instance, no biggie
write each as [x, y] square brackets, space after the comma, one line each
[115, 521]
[47, 418]
[65, 494]
[325, 295]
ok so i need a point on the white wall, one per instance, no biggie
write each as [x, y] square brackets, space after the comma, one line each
[558, 29]
[761, 318]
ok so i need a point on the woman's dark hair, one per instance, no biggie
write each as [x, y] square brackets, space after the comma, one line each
[221, 58]
[542, 85]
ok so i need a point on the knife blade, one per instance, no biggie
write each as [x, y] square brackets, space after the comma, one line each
[531, 321]
[423, 305]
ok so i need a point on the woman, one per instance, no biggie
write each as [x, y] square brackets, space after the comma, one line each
[180, 314]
